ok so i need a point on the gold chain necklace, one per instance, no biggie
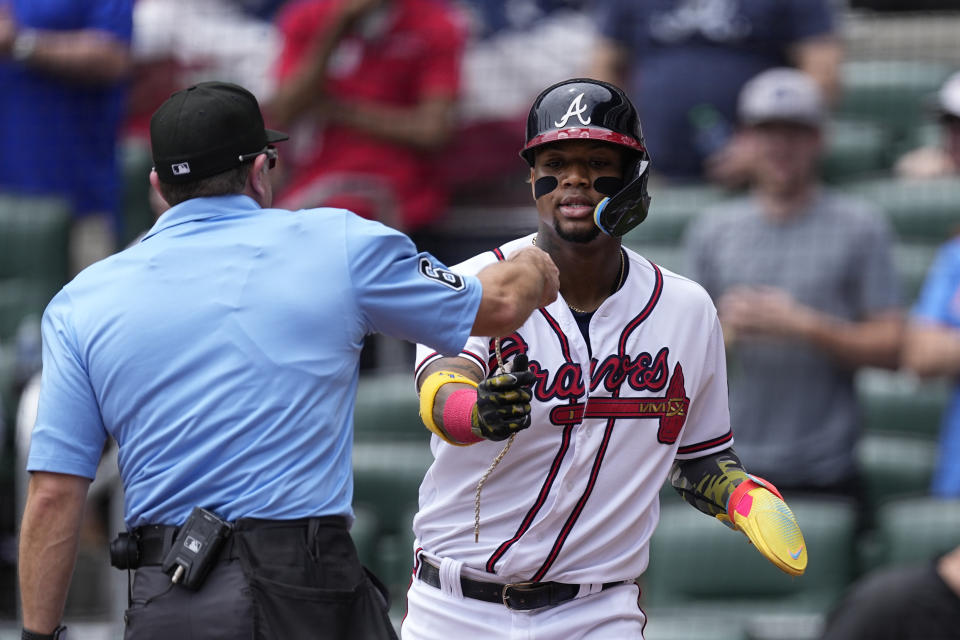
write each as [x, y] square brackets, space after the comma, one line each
[617, 288]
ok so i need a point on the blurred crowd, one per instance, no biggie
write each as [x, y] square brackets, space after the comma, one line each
[405, 111]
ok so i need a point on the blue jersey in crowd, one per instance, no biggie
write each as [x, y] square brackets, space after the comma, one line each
[60, 136]
[690, 58]
[939, 301]
[221, 352]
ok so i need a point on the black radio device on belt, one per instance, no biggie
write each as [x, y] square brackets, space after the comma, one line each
[195, 549]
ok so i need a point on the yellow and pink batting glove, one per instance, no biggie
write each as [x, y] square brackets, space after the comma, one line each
[757, 509]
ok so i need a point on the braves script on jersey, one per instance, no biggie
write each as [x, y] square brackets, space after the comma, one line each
[575, 500]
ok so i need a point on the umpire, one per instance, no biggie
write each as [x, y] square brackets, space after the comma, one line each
[221, 352]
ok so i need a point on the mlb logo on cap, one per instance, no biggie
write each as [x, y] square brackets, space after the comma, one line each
[180, 169]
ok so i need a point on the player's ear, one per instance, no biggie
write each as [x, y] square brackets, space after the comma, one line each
[530, 181]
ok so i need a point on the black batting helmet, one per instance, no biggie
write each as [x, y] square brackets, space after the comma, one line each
[583, 108]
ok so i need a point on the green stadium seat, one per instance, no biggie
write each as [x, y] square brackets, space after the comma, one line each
[365, 533]
[896, 402]
[387, 477]
[388, 408]
[691, 625]
[671, 208]
[19, 298]
[912, 262]
[138, 216]
[920, 211]
[893, 93]
[697, 564]
[855, 149]
[34, 238]
[915, 530]
[894, 466]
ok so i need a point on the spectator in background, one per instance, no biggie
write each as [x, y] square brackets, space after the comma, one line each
[371, 85]
[901, 603]
[215, 44]
[691, 57]
[932, 348]
[804, 283]
[514, 49]
[63, 65]
[943, 160]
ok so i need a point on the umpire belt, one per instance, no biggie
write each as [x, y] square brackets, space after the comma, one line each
[155, 540]
[519, 596]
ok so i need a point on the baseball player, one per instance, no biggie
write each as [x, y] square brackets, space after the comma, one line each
[551, 443]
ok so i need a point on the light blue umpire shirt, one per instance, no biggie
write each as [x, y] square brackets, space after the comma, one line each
[221, 352]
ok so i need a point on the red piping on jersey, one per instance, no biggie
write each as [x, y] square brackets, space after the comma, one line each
[554, 467]
[651, 303]
[578, 509]
[561, 336]
[707, 444]
[541, 498]
[416, 370]
[497, 252]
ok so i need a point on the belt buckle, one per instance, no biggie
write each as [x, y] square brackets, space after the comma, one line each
[505, 595]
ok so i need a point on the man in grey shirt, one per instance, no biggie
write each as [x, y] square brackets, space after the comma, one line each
[806, 290]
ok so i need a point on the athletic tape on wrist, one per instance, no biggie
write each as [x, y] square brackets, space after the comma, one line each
[428, 397]
[458, 414]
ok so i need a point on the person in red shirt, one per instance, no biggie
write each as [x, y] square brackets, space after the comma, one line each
[376, 83]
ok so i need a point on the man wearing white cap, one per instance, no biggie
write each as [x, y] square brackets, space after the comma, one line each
[942, 160]
[804, 283]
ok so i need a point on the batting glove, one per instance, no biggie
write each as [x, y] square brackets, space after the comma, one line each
[503, 403]
[757, 509]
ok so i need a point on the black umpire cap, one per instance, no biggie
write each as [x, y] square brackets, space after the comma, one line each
[206, 129]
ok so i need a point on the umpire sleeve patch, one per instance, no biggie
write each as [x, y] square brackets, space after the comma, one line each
[444, 276]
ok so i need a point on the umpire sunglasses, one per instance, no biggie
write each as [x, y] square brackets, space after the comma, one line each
[271, 152]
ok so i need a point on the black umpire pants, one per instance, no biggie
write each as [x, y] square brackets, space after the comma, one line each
[276, 580]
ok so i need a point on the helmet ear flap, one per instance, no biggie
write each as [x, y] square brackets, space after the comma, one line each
[627, 208]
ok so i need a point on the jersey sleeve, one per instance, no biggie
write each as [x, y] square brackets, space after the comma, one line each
[477, 348]
[474, 351]
[939, 299]
[407, 294]
[707, 429]
[69, 435]
[879, 284]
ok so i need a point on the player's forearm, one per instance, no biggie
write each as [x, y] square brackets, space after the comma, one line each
[513, 289]
[869, 343]
[49, 535]
[458, 366]
[931, 350]
[707, 483]
[88, 56]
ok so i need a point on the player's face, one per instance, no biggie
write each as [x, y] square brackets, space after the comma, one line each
[574, 165]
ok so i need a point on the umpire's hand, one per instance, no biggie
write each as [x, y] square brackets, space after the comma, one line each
[503, 402]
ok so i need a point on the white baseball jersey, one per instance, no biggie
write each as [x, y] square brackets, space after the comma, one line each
[575, 499]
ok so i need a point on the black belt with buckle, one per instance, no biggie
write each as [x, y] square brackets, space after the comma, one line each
[521, 596]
